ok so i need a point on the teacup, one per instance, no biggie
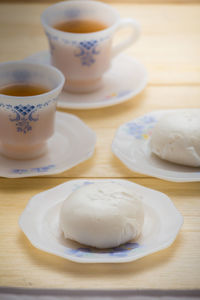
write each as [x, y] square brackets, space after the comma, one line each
[26, 123]
[84, 57]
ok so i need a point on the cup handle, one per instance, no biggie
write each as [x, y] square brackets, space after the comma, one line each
[130, 39]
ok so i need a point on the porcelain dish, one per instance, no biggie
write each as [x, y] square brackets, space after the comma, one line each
[125, 79]
[131, 146]
[72, 143]
[40, 223]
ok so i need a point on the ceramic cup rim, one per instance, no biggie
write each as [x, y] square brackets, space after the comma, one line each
[63, 34]
[39, 96]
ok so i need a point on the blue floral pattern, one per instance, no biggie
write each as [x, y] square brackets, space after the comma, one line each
[24, 115]
[43, 169]
[141, 128]
[121, 251]
[87, 51]
[78, 185]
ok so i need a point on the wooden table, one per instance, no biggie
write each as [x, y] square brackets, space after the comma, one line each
[169, 48]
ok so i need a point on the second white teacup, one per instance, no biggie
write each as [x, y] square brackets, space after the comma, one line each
[28, 96]
[84, 57]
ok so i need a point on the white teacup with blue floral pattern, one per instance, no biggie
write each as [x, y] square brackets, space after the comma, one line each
[84, 57]
[26, 123]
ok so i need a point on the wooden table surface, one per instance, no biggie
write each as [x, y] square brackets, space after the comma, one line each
[169, 48]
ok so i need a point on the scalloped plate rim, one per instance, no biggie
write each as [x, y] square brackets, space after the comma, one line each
[165, 244]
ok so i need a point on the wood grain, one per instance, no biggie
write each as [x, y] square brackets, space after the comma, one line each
[169, 48]
[169, 45]
[24, 265]
[186, 2]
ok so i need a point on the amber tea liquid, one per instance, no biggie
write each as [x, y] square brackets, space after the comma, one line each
[80, 26]
[23, 90]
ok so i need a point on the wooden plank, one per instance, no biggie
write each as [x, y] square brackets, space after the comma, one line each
[23, 265]
[171, 2]
[169, 46]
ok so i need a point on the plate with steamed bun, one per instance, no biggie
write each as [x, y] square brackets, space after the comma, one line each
[101, 221]
[164, 144]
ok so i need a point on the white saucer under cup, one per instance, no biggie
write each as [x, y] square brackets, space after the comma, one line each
[126, 78]
[72, 143]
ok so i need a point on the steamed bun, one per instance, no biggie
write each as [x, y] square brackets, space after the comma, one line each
[176, 137]
[102, 215]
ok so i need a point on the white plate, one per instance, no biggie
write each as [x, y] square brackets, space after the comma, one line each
[125, 79]
[131, 146]
[72, 143]
[40, 223]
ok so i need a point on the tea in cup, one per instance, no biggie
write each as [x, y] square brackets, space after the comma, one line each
[80, 35]
[28, 94]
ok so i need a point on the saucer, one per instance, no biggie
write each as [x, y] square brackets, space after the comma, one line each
[126, 78]
[131, 146]
[40, 223]
[72, 143]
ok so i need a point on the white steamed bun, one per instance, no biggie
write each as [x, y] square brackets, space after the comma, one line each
[102, 215]
[176, 137]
